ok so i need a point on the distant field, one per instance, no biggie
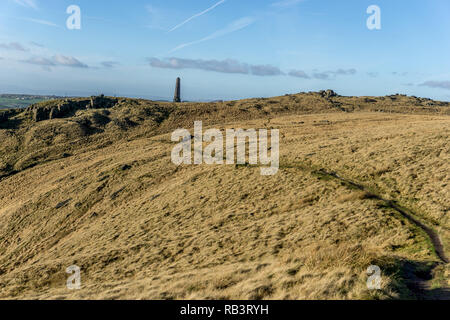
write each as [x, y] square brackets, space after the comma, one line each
[6, 103]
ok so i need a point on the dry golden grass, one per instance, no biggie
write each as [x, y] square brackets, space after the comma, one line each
[106, 197]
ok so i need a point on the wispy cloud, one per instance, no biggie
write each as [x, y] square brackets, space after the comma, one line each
[197, 15]
[266, 70]
[27, 3]
[13, 46]
[39, 21]
[223, 66]
[326, 75]
[40, 61]
[36, 44]
[286, 3]
[329, 75]
[234, 66]
[56, 60]
[402, 74]
[232, 27]
[437, 84]
[321, 75]
[68, 61]
[343, 72]
[299, 74]
[110, 64]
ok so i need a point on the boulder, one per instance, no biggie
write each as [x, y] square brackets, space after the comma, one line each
[40, 114]
[101, 102]
[328, 94]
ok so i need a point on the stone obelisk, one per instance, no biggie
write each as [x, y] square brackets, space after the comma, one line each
[177, 96]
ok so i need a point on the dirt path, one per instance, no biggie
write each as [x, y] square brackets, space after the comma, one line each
[434, 237]
[420, 283]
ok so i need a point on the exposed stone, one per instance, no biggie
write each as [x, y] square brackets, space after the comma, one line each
[67, 108]
[101, 102]
[40, 114]
[328, 94]
[52, 113]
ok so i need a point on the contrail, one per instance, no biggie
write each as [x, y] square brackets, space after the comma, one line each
[232, 27]
[27, 3]
[197, 15]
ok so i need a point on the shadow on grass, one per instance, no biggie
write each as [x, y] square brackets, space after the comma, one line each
[11, 124]
[415, 280]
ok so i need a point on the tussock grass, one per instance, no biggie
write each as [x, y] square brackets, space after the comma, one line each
[99, 190]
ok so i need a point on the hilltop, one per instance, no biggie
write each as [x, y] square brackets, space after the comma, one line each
[89, 182]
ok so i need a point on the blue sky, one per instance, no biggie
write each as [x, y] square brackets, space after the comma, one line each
[225, 49]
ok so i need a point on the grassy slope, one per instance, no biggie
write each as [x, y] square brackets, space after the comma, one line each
[99, 190]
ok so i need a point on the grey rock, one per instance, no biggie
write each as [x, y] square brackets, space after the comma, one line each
[328, 94]
[40, 114]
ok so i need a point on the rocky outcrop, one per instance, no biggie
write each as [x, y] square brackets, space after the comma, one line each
[68, 107]
[328, 94]
[101, 102]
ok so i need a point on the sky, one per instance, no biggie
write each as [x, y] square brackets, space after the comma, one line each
[225, 49]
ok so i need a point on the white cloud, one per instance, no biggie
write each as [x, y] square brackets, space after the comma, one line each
[223, 66]
[61, 60]
[197, 15]
[344, 72]
[299, 74]
[234, 66]
[40, 61]
[56, 60]
[13, 46]
[437, 84]
[266, 70]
